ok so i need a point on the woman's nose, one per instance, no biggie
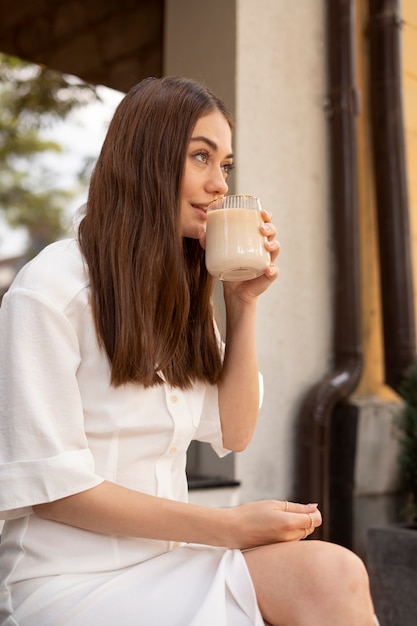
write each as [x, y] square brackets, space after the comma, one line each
[217, 183]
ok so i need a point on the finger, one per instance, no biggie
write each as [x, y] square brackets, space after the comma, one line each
[273, 248]
[268, 230]
[266, 215]
[297, 507]
[296, 510]
[271, 272]
[273, 245]
[309, 528]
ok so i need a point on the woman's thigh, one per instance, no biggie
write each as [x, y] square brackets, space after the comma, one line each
[310, 581]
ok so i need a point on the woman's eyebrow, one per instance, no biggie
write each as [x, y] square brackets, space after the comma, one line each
[211, 144]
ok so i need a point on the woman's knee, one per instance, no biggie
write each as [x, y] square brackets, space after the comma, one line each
[294, 580]
[338, 567]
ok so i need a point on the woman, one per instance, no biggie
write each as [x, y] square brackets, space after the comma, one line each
[111, 366]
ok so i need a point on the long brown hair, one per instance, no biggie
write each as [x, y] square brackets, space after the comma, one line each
[151, 295]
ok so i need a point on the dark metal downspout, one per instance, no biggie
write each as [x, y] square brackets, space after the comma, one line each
[313, 461]
[391, 189]
[393, 232]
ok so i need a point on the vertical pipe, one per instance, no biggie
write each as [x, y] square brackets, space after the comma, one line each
[391, 189]
[313, 461]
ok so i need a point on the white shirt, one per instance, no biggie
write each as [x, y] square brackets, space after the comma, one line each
[65, 429]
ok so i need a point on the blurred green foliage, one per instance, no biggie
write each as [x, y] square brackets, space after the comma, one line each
[32, 98]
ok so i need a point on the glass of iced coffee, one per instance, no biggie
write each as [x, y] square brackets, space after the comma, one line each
[235, 247]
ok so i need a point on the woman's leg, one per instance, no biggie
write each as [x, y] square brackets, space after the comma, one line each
[310, 583]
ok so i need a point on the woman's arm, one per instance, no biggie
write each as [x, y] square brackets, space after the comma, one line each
[115, 510]
[112, 509]
[239, 386]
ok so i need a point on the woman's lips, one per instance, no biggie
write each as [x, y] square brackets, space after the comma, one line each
[201, 208]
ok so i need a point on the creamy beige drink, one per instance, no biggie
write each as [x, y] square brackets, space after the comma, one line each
[235, 248]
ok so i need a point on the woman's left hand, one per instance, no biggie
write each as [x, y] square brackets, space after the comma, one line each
[250, 289]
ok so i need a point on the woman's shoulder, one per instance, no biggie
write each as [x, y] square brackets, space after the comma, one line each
[58, 273]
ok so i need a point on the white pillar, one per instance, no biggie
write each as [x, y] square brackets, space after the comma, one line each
[267, 60]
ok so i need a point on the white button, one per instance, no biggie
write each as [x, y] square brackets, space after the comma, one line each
[174, 399]
[173, 450]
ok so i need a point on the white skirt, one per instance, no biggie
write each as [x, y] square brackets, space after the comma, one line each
[191, 586]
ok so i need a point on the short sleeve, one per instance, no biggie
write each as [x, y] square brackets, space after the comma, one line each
[44, 454]
[209, 429]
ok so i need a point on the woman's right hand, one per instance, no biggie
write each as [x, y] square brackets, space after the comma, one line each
[255, 524]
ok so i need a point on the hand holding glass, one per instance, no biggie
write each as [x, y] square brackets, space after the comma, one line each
[235, 247]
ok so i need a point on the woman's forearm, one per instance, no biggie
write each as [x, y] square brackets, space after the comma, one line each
[239, 386]
[115, 510]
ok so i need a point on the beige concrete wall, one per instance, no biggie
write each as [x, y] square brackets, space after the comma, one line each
[268, 63]
[376, 469]
[282, 153]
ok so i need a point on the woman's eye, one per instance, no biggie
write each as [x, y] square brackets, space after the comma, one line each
[203, 156]
[227, 168]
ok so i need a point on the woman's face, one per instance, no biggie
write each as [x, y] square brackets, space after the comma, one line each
[208, 161]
